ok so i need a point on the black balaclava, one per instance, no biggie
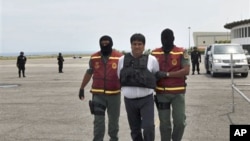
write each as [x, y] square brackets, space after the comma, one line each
[167, 40]
[106, 50]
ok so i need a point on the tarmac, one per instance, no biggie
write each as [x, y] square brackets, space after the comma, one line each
[44, 106]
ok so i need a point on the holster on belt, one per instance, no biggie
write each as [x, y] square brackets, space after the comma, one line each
[96, 108]
[91, 107]
[161, 105]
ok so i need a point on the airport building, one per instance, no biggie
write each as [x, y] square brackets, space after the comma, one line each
[203, 39]
[240, 33]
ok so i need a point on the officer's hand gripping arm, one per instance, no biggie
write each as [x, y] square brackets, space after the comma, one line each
[160, 75]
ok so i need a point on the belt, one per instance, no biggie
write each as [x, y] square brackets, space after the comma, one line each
[139, 98]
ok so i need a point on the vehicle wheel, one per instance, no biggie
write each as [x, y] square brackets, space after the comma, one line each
[244, 74]
[213, 74]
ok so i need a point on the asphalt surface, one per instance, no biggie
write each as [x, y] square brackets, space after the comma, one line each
[44, 106]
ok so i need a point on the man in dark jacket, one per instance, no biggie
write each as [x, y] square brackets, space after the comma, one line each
[196, 60]
[21, 61]
[60, 62]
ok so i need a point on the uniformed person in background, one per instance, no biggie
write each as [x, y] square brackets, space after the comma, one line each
[105, 89]
[60, 62]
[196, 60]
[21, 61]
[171, 87]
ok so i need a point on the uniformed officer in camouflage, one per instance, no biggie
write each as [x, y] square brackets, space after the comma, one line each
[105, 89]
[171, 87]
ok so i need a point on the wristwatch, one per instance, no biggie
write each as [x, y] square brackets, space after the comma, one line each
[167, 74]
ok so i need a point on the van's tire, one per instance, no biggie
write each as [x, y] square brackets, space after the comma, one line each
[244, 74]
[213, 74]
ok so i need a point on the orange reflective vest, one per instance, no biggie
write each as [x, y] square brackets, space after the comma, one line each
[105, 79]
[170, 63]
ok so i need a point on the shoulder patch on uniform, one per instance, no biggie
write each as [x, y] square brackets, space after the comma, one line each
[185, 54]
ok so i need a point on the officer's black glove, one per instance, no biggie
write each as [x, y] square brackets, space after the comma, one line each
[81, 94]
[160, 74]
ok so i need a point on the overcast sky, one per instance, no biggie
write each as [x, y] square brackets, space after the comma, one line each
[77, 25]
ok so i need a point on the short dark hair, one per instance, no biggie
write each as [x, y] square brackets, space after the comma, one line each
[137, 37]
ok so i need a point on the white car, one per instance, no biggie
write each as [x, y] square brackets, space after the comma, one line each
[248, 57]
[248, 60]
[218, 59]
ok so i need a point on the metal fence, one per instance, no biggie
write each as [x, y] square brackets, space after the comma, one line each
[234, 86]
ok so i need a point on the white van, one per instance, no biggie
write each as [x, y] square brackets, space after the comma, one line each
[217, 59]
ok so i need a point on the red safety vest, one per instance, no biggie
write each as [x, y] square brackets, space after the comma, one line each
[169, 63]
[105, 79]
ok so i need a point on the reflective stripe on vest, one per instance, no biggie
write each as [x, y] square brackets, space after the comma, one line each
[161, 52]
[170, 89]
[98, 57]
[105, 91]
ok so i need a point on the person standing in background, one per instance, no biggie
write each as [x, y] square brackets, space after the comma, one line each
[196, 60]
[60, 62]
[21, 61]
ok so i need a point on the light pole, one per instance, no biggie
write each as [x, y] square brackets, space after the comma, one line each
[189, 37]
